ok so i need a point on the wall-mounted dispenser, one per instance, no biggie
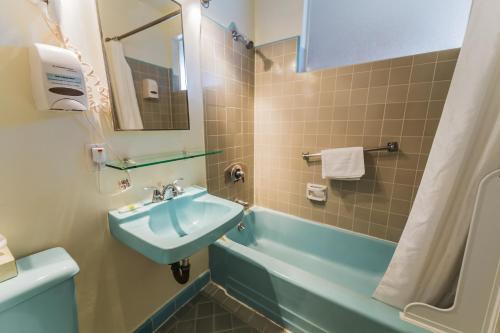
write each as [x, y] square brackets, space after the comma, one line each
[150, 89]
[57, 79]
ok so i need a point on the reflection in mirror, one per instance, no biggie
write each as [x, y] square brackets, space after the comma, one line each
[144, 51]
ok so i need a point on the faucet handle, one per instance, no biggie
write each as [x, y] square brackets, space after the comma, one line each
[178, 187]
[157, 193]
[236, 173]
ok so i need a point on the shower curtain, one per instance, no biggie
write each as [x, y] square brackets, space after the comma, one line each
[466, 147]
[127, 107]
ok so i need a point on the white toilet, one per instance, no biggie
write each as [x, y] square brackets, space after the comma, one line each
[41, 299]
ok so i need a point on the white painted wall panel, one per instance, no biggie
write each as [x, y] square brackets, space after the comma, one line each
[342, 32]
[239, 12]
[277, 19]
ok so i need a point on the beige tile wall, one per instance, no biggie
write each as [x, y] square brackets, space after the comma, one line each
[180, 113]
[155, 113]
[228, 89]
[361, 105]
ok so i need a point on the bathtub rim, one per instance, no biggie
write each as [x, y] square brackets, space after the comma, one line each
[253, 208]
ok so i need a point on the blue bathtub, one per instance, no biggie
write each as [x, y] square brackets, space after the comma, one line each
[306, 276]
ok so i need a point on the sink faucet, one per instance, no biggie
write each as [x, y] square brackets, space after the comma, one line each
[172, 190]
[167, 192]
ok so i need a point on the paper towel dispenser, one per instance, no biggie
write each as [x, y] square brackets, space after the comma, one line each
[150, 89]
[57, 79]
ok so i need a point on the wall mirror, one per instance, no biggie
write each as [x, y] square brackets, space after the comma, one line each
[144, 51]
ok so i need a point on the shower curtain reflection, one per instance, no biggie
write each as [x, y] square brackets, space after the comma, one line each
[125, 98]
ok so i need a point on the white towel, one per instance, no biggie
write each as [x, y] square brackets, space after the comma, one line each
[343, 163]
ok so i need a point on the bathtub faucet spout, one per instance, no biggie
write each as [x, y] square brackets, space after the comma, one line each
[241, 202]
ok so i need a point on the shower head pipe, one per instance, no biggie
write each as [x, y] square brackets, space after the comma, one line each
[241, 38]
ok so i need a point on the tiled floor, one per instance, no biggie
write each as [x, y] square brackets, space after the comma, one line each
[213, 311]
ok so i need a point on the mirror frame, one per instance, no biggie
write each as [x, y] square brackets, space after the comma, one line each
[112, 105]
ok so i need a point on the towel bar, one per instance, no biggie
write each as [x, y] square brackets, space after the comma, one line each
[391, 147]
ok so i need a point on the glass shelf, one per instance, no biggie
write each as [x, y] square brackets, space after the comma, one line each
[148, 160]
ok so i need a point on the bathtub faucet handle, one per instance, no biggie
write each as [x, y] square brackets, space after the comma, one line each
[237, 173]
[241, 175]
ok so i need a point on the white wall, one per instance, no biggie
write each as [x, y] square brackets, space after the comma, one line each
[240, 12]
[49, 196]
[263, 21]
[277, 19]
[343, 32]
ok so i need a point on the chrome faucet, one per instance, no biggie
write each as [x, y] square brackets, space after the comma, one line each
[167, 192]
[170, 191]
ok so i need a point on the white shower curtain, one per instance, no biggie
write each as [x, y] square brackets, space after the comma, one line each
[466, 147]
[127, 108]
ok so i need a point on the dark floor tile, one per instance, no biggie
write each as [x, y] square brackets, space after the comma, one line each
[185, 327]
[201, 298]
[187, 312]
[237, 322]
[168, 326]
[222, 322]
[204, 309]
[170, 330]
[219, 309]
[205, 325]
[246, 329]
[213, 311]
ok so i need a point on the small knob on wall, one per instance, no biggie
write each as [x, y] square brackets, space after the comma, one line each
[240, 175]
[237, 174]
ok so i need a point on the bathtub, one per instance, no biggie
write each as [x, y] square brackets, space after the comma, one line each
[306, 276]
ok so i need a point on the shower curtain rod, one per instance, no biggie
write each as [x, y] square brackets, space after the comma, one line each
[145, 26]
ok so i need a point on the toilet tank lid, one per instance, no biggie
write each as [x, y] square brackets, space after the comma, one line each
[36, 274]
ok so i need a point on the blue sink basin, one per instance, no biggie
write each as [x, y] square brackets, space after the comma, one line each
[169, 231]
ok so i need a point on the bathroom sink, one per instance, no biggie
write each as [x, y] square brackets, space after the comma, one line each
[169, 231]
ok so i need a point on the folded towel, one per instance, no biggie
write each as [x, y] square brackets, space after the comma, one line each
[343, 163]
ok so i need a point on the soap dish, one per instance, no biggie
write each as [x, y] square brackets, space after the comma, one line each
[316, 192]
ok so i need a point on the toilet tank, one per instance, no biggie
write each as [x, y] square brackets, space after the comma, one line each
[41, 299]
